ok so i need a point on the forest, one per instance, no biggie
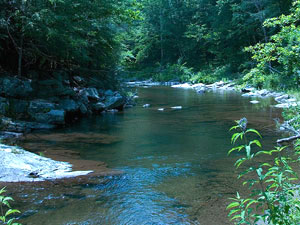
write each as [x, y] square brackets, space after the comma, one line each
[186, 40]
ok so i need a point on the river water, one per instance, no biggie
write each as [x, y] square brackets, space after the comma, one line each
[174, 163]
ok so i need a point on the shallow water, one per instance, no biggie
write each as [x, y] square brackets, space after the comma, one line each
[175, 164]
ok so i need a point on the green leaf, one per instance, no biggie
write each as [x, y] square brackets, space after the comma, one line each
[257, 142]
[233, 205]
[12, 211]
[238, 148]
[253, 131]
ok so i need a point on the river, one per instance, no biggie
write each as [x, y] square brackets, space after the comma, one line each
[174, 163]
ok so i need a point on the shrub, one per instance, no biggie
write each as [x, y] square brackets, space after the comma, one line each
[274, 198]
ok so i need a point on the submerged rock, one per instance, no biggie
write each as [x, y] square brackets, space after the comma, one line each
[18, 165]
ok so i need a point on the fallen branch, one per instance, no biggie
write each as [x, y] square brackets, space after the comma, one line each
[289, 139]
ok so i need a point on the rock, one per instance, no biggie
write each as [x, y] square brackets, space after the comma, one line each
[101, 92]
[90, 94]
[263, 92]
[199, 85]
[9, 125]
[127, 106]
[69, 105]
[99, 107]
[201, 90]
[40, 106]
[250, 94]
[247, 89]
[15, 87]
[4, 106]
[176, 107]
[10, 135]
[109, 93]
[115, 102]
[18, 108]
[285, 105]
[18, 165]
[185, 85]
[83, 109]
[112, 111]
[79, 80]
[56, 117]
[281, 98]
[219, 84]
[146, 106]
[290, 100]
[254, 102]
[54, 87]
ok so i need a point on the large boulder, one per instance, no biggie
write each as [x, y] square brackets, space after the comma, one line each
[115, 102]
[83, 109]
[109, 93]
[18, 126]
[40, 106]
[99, 107]
[15, 87]
[54, 87]
[89, 94]
[69, 105]
[56, 117]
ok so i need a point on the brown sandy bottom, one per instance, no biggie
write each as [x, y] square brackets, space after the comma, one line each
[43, 144]
[206, 197]
[37, 199]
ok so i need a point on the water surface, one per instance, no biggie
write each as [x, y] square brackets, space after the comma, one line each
[175, 164]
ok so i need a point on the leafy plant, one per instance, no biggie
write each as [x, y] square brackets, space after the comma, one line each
[274, 198]
[6, 210]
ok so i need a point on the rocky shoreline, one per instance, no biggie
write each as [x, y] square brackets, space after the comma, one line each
[27, 105]
[283, 100]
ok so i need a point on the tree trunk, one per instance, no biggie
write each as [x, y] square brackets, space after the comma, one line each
[20, 50]
[161, 38]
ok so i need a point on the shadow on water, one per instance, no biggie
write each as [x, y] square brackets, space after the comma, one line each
[174, 162]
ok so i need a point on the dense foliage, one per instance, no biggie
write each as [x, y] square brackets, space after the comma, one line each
[167, 39]
[278, 59]
[49, 35]
[203, 34]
